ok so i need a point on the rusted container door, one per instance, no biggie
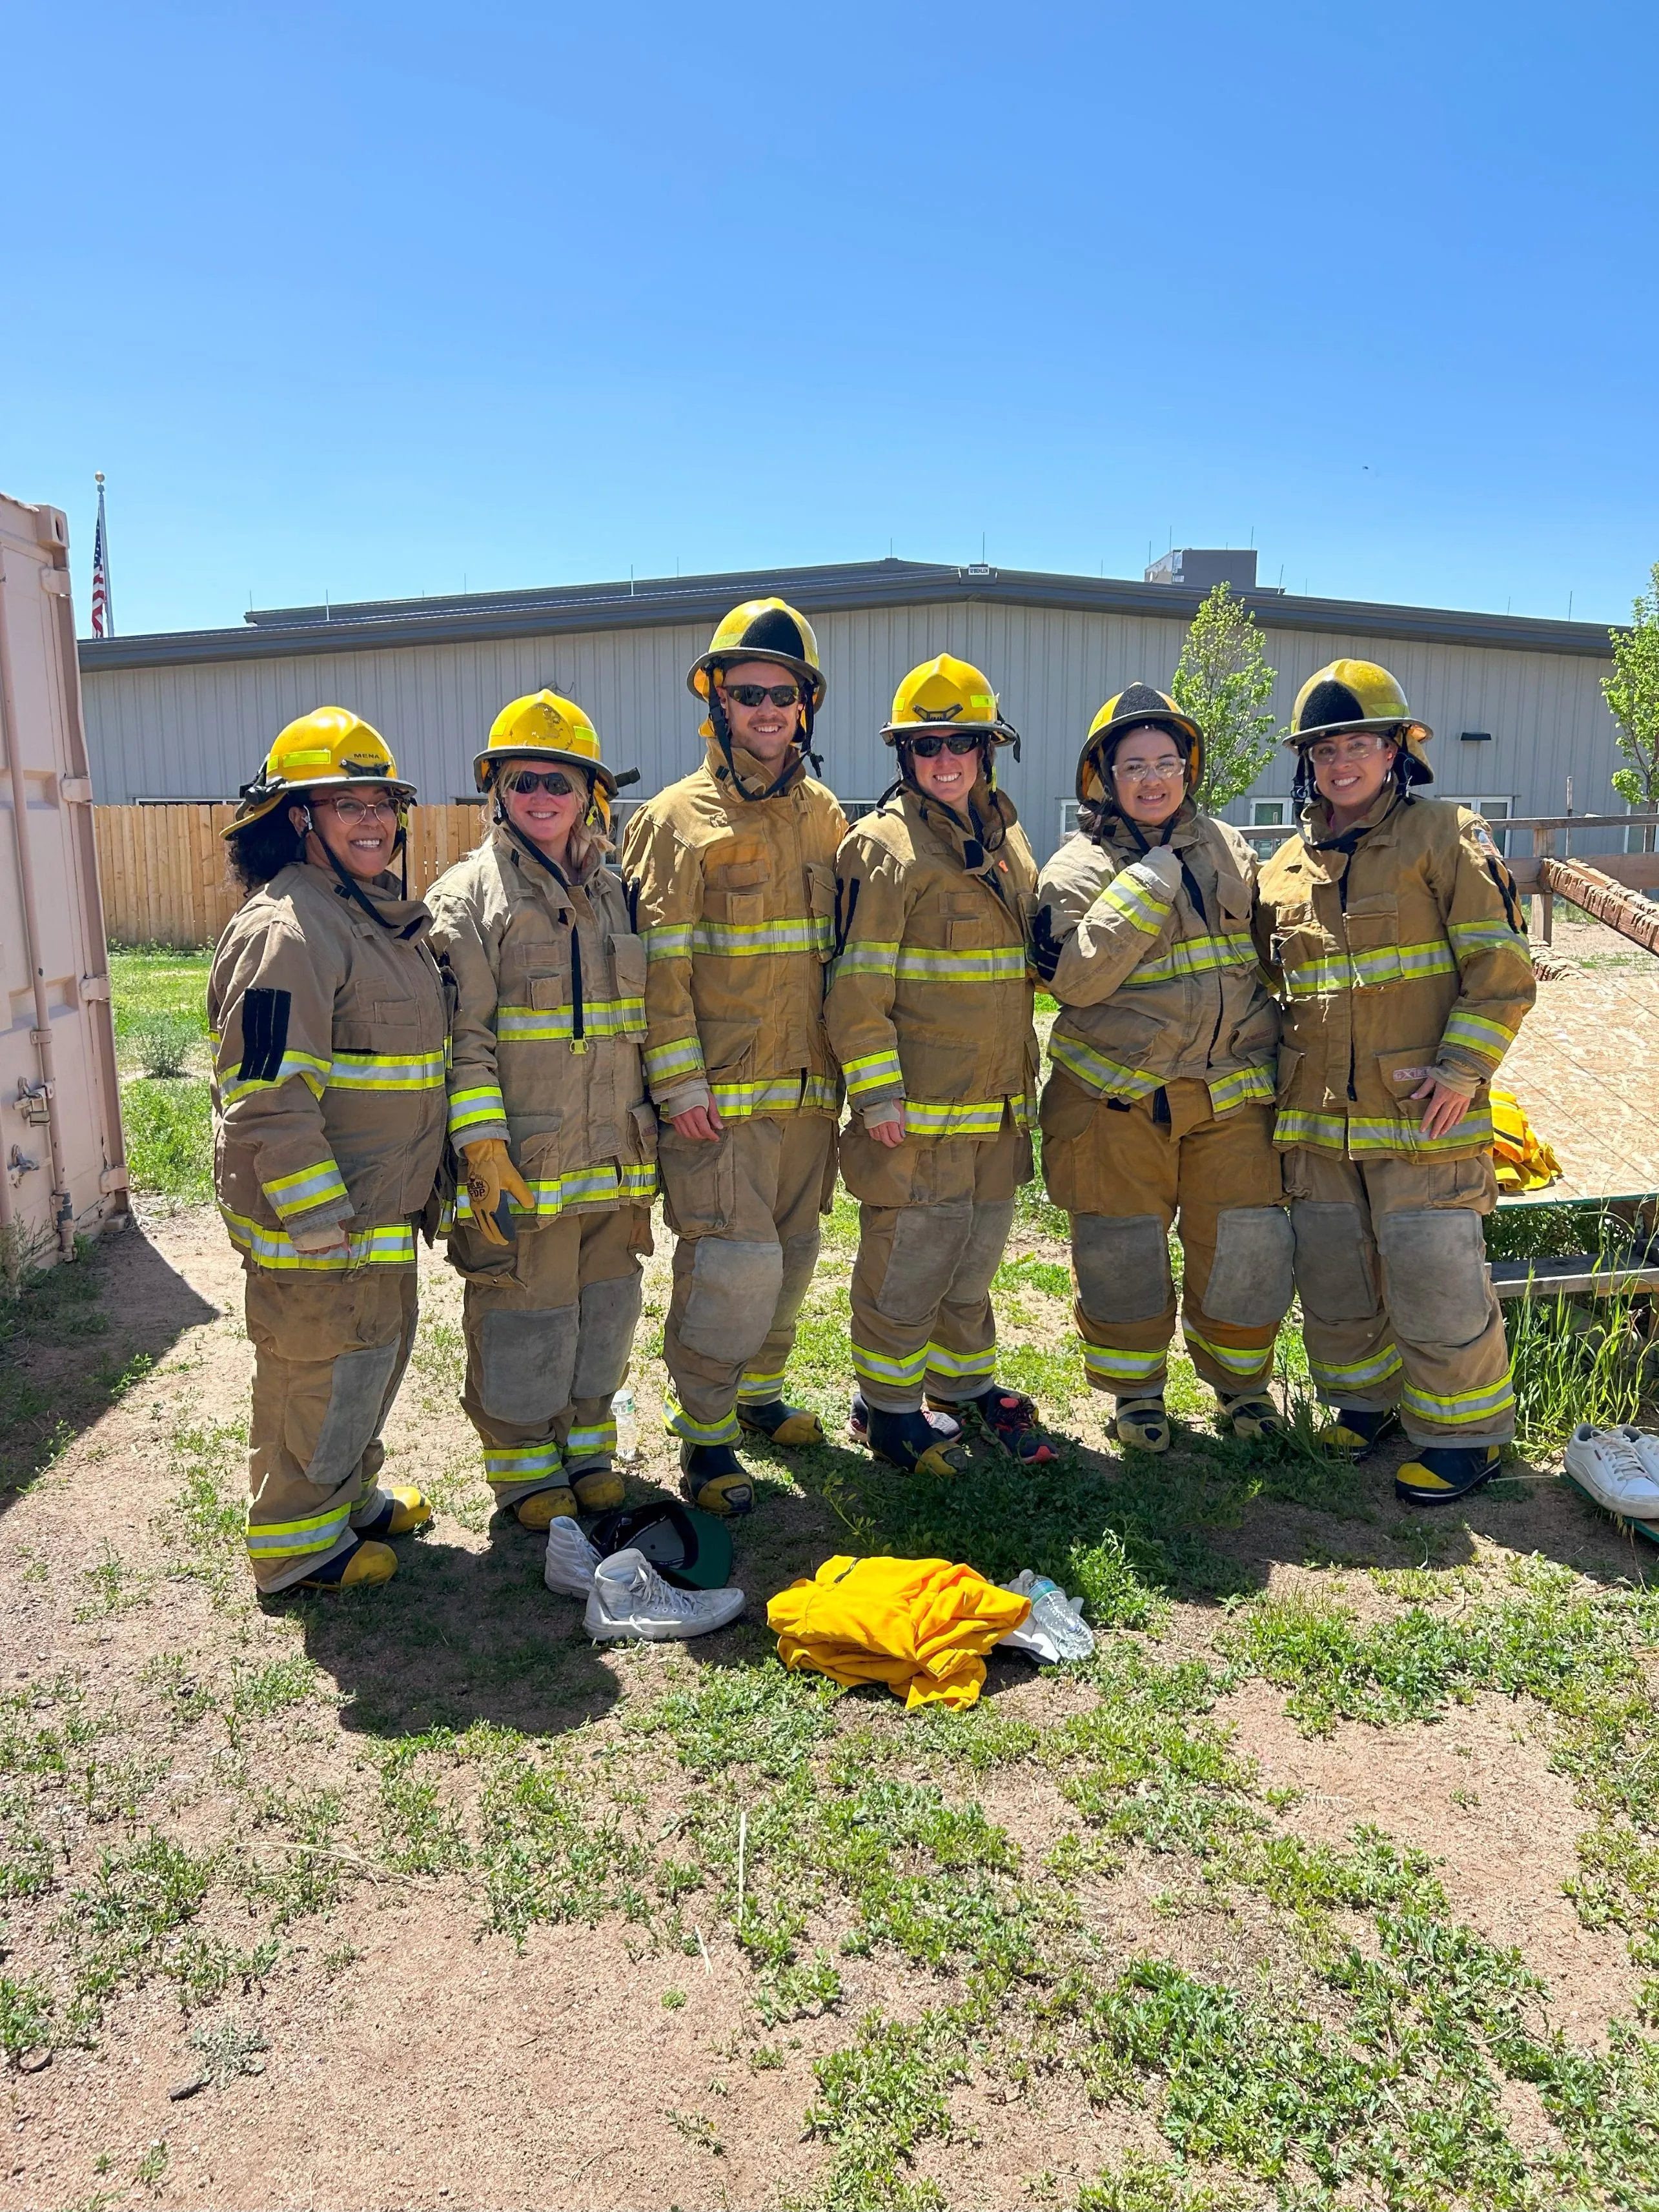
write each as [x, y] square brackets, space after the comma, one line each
[62, 1164]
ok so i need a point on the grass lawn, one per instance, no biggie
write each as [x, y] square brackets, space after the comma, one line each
[159, 1000]
[1331, 1882]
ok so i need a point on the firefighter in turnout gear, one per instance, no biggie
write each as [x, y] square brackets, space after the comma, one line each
[1157, 1107]
[548, 1108]
[1396, 937]
[929, 1012]
[731, 877]
[328, 1019]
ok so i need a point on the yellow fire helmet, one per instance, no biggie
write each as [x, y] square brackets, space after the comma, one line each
[329, 746]
[543, 726]
[948, 694]
[1359, 694]
[761, 629]
[1132, 708]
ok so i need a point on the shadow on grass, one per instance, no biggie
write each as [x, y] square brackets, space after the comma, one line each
[74, 1337]
[457, 1636]
[1209, 1520]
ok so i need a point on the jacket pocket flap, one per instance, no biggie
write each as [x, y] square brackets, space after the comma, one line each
[628, 961]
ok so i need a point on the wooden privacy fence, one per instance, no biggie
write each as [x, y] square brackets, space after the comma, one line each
[164, 877]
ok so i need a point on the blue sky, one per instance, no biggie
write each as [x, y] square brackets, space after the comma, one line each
[376, 300]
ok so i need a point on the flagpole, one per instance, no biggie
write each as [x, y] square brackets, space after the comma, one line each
[100, 563]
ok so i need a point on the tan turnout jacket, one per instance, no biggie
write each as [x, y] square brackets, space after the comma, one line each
[1153, 961]
[328, 1033]
[549, 1015]
[735, 901]
[1408, 953]
[931, 993]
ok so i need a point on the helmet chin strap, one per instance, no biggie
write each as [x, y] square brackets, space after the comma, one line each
[802, 742]
[349, 883]
[528, 845]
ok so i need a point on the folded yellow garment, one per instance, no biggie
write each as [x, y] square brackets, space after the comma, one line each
[1523, 1159]
[922, 1626]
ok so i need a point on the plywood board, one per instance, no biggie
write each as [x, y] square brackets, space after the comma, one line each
[1586, 1066]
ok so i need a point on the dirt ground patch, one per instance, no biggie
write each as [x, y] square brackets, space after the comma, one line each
[462, 1911]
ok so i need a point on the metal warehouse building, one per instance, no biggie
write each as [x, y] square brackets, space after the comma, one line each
[1516, 702]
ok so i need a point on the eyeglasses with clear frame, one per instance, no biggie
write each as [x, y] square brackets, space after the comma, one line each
[1157, 771]
[1360, 745]
[354, 811]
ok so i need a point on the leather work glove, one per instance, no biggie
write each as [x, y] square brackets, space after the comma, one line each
[489, 1171]
[1160, 868]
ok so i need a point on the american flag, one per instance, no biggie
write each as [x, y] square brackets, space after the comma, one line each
[103, 611]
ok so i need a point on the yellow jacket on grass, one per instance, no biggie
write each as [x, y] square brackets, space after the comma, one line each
[1152, 959]
[931, 995]
[1406, 951]
[735, 901]
[548, 1022]
[328, 1050]
[923, 1626]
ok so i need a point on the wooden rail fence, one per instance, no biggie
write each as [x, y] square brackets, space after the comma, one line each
[164, 878]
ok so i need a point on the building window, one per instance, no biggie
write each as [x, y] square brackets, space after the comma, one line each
[1068, 816]
[1491, 811]
[1269, 813]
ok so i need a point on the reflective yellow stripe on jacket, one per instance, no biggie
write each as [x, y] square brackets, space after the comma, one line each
[392, 1246]
[386, 1071]
[601, 1017]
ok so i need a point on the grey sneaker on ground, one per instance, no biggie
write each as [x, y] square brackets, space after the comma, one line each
[630, 1598]
[571, 1559]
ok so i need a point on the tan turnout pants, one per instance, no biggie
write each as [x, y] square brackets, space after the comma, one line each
[549, 1323]
[745, 1209]
[933, 1221]
[329, 1352]
[1397, 1302]
[1125, 1176]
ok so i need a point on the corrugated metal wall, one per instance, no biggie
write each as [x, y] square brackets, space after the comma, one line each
[197, 730]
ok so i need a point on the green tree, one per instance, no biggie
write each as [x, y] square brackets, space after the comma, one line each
[1633, 695]
[1222, 681]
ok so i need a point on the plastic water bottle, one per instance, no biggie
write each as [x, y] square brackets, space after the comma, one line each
[626, 1415]
[1069, 1632]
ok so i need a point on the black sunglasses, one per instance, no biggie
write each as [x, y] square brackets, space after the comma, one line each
[959, 741]
[554, 782]
[755, 695]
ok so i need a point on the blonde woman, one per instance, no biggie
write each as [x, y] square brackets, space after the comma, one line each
[547, 1109]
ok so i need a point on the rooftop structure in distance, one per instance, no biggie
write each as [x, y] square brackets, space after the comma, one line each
[1201, 568]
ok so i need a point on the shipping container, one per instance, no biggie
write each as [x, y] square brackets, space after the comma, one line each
[63, 1170]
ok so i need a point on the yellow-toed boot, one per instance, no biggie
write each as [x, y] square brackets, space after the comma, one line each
[542, 1507]
[400, 1508]
[370, 1563]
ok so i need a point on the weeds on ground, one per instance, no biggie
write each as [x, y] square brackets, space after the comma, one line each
[163, 1044]
[1574, 1364]
[169, 1137]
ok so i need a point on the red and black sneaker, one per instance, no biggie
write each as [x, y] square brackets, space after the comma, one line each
[1009, 1418]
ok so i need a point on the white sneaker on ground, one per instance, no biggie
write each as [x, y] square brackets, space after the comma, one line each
[571, 1559]
[630, 1598]
[1645, 1445]
[1611, 1468]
